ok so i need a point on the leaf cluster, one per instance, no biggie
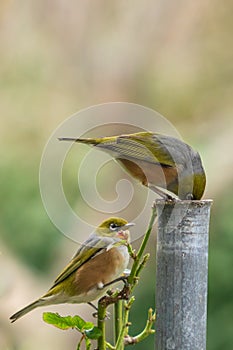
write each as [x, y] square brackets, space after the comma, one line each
[87, 329]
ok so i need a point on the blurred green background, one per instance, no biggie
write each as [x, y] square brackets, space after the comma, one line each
[58, 57]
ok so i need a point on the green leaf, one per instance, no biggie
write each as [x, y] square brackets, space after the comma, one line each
[65, 322]
[93, 333]
[79, 322]
[57, 321]
[87, 326]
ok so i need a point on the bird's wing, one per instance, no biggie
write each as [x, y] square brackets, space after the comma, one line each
[149, 147]
[157, 150]
[90, 248]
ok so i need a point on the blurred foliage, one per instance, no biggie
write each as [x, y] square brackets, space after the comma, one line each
[56, 58]
[220, 311]
[24, 223]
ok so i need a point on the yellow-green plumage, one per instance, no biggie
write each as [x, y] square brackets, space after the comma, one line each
[99, 261]
[156, 160]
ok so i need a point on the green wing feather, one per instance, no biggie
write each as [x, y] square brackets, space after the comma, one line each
[155, 148]
[94, 245]
[132, 147]
[149, 147]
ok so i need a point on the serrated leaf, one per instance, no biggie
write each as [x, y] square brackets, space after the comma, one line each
[78, 322]
[57, 320]
[87, 326]
[63, 322]
[93, 333]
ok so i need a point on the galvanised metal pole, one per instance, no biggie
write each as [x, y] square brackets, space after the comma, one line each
[181, 278]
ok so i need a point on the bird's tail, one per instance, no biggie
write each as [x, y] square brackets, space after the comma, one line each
[26, 309]
[88, 141]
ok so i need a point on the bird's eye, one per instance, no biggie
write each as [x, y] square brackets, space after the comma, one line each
[113, 226]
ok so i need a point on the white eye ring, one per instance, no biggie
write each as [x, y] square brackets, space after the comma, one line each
[113, 226]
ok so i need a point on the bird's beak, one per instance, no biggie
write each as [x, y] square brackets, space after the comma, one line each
[126, 226]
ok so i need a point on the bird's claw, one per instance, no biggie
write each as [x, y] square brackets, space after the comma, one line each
[107, 316]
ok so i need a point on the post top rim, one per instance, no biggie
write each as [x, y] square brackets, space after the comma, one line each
[200, 202]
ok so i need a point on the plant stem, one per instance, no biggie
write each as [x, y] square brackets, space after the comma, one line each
[148, 232]
[145, 333]
[118, 314]
[124, 328]
[131, 278]
[110, 346]
[101, 325]
[142, 264]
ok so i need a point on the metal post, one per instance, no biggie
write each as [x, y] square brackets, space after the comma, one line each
[181, 278]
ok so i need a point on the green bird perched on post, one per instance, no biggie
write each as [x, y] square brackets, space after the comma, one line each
[99, 262]
[161, 163]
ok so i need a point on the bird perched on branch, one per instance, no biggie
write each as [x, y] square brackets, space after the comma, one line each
[163, 163]
[99, 262]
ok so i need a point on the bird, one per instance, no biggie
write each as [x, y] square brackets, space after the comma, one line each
[163, 163]
[99, 262]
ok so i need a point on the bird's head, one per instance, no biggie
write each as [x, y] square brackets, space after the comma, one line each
[115, 227]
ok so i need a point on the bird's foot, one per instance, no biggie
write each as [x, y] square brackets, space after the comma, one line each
[165, 194]
[114, 297]
[95, 314]
[107, 317]
[124, 279]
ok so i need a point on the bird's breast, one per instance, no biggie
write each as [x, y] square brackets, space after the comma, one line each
[100, 270]
[150, 173]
